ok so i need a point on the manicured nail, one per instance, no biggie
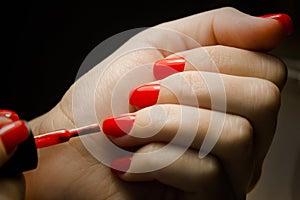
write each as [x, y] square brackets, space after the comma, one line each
[145, 95]
[118, 126]
[13, 134]
[284, 19]
[167, 67]
[9, 114]
[120, 165]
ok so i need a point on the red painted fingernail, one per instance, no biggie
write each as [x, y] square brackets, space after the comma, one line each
[284, 19]
[167, 67]
[13, 134]
[9, 114]
[118, 126]
[120, 165]
[145, 95]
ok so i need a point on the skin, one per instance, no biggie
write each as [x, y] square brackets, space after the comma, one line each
[233, 166]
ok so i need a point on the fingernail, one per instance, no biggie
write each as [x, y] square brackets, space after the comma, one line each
[167, 67]
[13, 134]
[118, 126]
[145, 95]
[9, 114]
[120, 165]
[284, 19]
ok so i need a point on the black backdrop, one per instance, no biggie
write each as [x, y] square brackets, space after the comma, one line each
[44, 42]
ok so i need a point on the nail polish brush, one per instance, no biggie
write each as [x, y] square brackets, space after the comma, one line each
[26, 158]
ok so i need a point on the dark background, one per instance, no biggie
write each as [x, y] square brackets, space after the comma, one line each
[45, 42]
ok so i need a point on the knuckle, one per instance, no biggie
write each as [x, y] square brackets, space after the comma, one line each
[150, 147]
[229, 9]
[271, 94]
[215, 53]
[148, 160]
[281, 72]
[208, 172]
[265, 97]
[212, 166]
[244, 132]
[196, 81]
[241, 136]
[273, 69]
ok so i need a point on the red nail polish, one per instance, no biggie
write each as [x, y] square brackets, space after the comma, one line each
[9, 114]
[13, 134]
[118, 126]
[145, 95]
[121, 165]
[167, 67]
[284, 19]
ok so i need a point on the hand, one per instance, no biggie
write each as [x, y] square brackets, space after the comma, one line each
[251, 80]
[12, 187]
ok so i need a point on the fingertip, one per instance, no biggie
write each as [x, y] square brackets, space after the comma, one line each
[7, 116]
[121, 165]
[284, 20]
[263, 33]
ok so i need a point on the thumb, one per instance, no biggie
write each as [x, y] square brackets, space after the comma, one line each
[230, 27]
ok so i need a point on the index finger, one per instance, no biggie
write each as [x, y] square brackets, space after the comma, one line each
[230, 27]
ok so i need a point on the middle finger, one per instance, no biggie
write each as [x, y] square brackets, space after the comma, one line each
[245, 96]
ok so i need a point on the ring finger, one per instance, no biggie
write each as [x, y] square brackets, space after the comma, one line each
[169, 124]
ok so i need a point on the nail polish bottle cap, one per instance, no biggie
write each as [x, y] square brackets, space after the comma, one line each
[25, 158]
